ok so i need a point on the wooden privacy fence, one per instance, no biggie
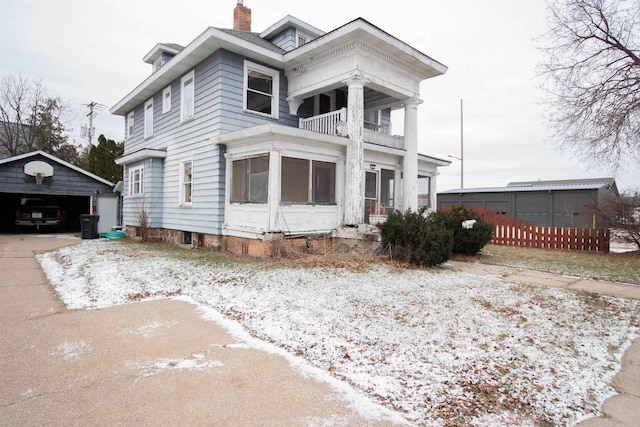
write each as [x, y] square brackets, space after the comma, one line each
[509, 231]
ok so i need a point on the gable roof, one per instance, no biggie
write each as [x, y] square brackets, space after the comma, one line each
[252, 45]
[291, 22]
[57, 160]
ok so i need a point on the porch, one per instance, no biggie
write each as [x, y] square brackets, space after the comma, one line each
[335, 123]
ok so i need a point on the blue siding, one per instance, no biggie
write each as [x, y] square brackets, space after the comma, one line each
[219, 81]
[285, 40]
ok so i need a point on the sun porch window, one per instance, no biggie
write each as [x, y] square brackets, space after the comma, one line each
[250, 180]
[307, 181]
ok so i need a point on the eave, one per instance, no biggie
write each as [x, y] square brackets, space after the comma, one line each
[204, 45]
[360, 29]
[140, 155]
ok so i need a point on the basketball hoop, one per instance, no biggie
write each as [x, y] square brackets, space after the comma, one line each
[39, 170]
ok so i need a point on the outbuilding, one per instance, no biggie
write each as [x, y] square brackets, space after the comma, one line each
[561, 203]
[39, 175]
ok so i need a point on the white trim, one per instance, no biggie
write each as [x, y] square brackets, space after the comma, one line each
[148, 118]
[130, 124]
[186, 79]
[132, 172]
[181, 192]
[139, 155]
[275, 88]
[166, 99]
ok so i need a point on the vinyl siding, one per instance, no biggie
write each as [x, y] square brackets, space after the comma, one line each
[285, 40]
[219, 81]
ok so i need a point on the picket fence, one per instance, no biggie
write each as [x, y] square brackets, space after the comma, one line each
[509, 231]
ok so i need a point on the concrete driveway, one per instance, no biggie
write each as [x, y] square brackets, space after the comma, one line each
[147, 363]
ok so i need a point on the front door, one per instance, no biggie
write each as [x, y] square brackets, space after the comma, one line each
[370, 193]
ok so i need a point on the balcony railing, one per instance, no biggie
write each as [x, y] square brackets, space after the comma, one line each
[335, 123]
[331, 123]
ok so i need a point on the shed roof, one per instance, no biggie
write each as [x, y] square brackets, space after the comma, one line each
[554, 185]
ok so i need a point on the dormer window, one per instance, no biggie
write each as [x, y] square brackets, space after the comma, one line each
[157, 64]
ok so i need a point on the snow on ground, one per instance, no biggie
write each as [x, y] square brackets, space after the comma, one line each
[441, 348]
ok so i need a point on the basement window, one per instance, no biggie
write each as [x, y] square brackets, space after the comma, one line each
[307, 181]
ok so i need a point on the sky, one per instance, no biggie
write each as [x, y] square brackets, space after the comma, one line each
[91, 51]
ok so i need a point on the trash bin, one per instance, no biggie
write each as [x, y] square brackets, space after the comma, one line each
[89, 226]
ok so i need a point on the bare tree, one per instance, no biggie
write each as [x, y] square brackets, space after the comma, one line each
[621, 213]
[19, 101]
[592, 76]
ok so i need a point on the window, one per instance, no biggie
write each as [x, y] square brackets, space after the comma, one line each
[166, 100]
[302, 40]
[307, 181]
[424, 191]
[261, 88]
[130, 124]
[148, 118]
[186, 182]
[187, 97]
[250, 180]
[136, 181]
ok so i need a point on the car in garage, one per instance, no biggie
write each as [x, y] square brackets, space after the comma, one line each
[36, 213]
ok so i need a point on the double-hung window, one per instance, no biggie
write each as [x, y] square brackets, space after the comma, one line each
[130, 123]
[148, 118]
[136, 181]
[261, 89]
[187, 97]
[166, 100]
[186, 182]
[307, 181]
[250, 180]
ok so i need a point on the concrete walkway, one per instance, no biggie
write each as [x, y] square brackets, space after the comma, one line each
[149, 363]
[160, 363]
[621, 410]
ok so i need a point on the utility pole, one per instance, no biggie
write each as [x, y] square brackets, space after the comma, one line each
[91, 106]
[461, 146]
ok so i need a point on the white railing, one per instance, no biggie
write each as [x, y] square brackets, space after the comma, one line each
[335, 123]
[329, 123]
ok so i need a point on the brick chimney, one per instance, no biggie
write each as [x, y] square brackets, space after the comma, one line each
[241, 17]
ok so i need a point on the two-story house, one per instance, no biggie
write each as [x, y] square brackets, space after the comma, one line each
[242, 137]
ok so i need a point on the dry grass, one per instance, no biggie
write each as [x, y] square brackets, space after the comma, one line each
[617, 267]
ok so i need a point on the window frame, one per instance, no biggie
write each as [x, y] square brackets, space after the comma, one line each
[190, 76]
[166, 100]
[140, 181]
[182, 191]
[275, 87]
[148, 118]
[246, 181]
[130, 124]
[310, 180]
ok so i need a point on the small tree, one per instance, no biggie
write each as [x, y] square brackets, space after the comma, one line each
[466, 241]
[417, 238]
[101, 159]
[621, 213]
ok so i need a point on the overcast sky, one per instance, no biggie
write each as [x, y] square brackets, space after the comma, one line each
[91, 51]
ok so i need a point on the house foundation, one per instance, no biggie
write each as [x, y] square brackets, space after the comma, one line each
[269, 245]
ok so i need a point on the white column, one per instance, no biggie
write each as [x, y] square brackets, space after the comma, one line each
[275, 166]
[433, 195]
[410, 161]
[354, 173]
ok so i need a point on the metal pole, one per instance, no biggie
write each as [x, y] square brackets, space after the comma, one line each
[461, 147]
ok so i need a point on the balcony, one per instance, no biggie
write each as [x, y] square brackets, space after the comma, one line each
[335, 123]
